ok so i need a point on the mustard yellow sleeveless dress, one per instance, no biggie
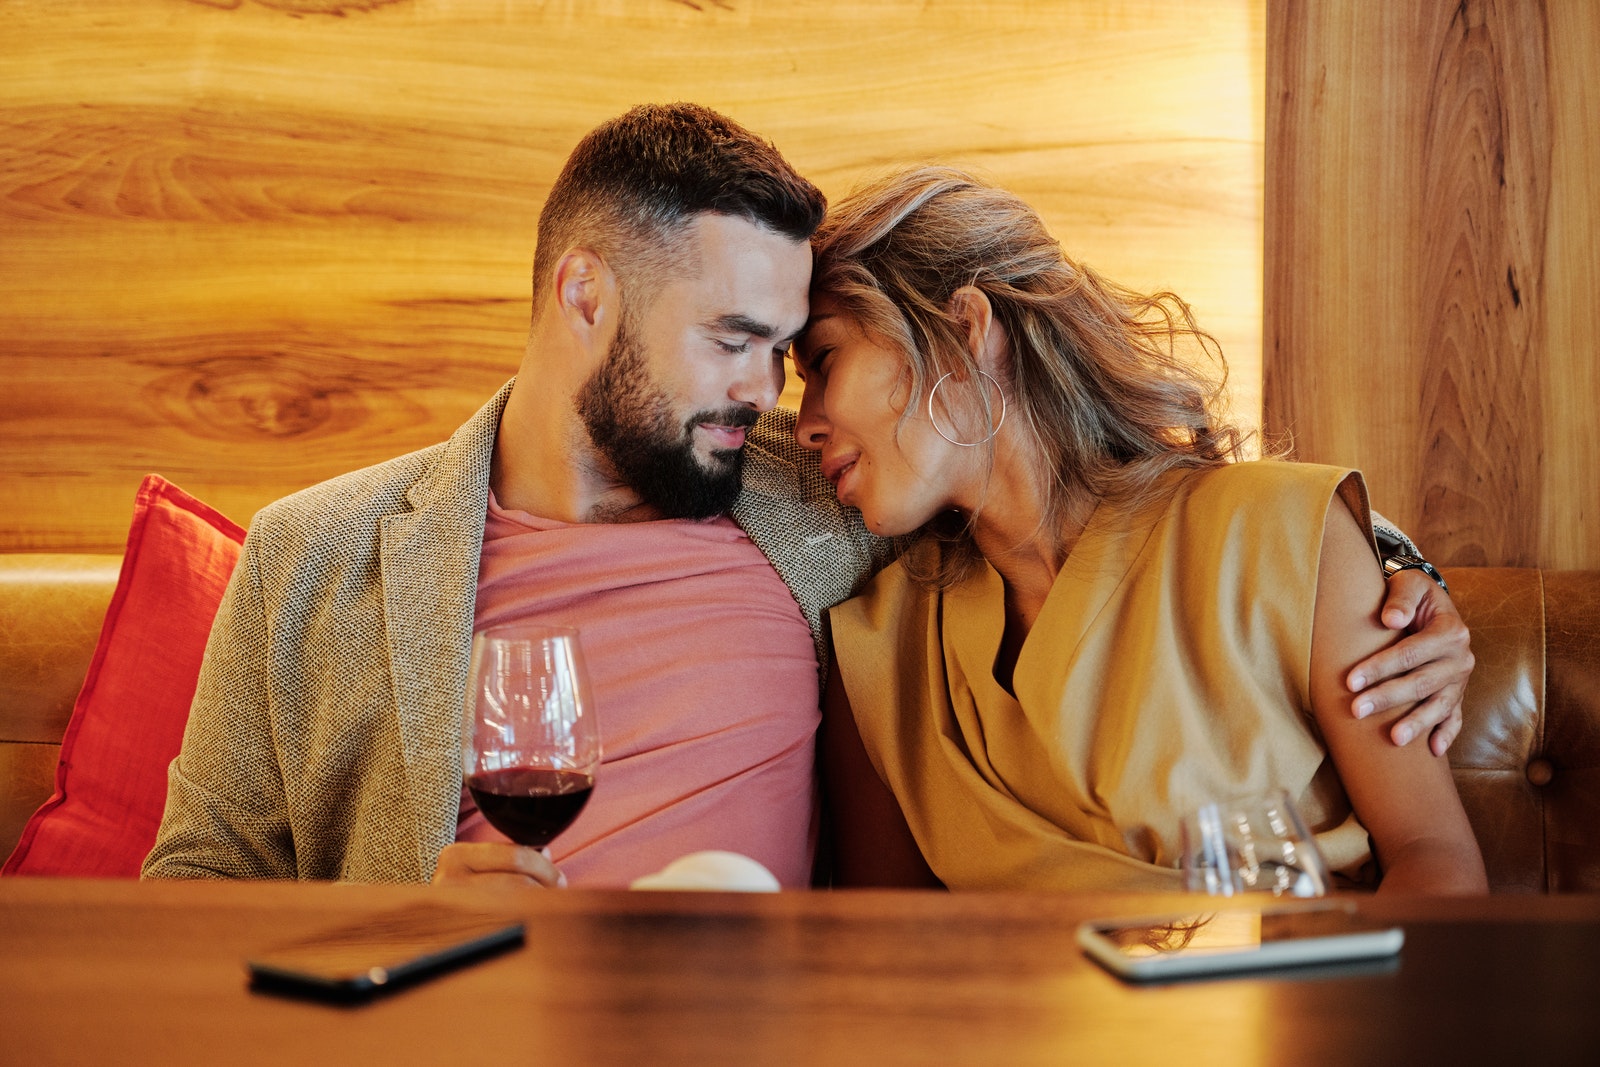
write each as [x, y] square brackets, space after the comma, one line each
[1169, 665]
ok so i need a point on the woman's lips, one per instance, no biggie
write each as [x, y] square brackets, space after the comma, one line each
[842, 487]
[836, 470]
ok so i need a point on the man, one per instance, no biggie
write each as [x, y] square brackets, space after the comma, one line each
[595, 490]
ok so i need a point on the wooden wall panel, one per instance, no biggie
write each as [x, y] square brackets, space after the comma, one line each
[250, 244]
[1432, 234]
[1569, 533]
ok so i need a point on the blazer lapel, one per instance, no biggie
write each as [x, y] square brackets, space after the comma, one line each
[430, 581]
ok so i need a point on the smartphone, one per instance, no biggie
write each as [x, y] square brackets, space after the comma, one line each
[1227, 941]
[381, 952]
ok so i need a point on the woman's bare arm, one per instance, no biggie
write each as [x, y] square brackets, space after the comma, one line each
[872, 844]
[1403, 794]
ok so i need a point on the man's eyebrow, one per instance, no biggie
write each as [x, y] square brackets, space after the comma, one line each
[745, 324]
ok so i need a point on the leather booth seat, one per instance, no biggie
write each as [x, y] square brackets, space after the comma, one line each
[51, 608]
[1527, 762]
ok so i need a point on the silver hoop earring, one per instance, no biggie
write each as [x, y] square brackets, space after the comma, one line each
[967, 444]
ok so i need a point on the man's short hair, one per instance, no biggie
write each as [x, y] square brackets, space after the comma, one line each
[633, 183]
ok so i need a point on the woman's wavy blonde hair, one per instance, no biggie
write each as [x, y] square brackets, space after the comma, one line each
[1097, 373]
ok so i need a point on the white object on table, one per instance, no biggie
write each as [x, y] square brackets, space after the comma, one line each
[712, 870]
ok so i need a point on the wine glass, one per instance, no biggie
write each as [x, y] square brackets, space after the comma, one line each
[530, 745]
[1254, 845]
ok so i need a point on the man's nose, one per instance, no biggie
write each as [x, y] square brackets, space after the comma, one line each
[760, 384]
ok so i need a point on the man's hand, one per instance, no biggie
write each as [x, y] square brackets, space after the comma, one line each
[496, 863]
[1428, 667]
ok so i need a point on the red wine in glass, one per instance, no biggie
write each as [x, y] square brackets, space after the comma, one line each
[530, 745]
[531, 805]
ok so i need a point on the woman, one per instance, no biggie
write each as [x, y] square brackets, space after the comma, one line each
[1104, 620]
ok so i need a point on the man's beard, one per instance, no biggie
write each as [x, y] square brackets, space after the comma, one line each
[629, 419]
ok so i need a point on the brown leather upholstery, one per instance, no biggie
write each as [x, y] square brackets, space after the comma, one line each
[1527, 761]
[1504, 721]
[51, 607]
[1572, 729]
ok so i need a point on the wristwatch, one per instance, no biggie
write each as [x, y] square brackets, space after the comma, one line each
[1393, 565]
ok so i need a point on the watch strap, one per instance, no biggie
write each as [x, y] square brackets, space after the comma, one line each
[1400, 561]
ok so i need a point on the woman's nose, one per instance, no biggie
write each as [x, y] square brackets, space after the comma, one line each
[811, 428]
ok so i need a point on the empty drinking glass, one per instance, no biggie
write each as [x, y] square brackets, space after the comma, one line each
[1254, 845]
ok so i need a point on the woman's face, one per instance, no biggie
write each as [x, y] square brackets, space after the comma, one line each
[856, 388]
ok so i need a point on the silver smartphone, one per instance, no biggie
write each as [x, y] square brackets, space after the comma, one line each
[1225, 941]
[382, 952]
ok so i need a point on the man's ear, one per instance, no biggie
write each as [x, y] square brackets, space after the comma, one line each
[970, 307]
[586, 296]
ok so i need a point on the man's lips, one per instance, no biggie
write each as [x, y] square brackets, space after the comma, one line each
[724, 437]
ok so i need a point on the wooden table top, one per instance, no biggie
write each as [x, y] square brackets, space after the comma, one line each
[123, 972]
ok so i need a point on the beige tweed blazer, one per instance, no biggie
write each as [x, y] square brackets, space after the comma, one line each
[323, 742]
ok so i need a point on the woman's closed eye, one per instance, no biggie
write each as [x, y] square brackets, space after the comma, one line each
[811, 362]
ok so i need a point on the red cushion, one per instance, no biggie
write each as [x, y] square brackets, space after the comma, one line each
[127, 725]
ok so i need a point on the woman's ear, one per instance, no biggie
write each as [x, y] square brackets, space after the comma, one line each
[970, 307]
[586, 296]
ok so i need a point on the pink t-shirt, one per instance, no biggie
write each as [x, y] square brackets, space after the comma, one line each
[704, 677]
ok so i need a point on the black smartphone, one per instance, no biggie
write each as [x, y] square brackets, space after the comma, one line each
[1200, 944]
[382, 952]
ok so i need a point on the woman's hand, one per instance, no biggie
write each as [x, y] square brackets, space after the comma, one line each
[1429, 667]
[496, 863]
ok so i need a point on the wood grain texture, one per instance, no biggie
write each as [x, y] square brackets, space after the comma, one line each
[250, 244]
[117, 971]
[1570, 534]
[1485, 179]
[1431, 233]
